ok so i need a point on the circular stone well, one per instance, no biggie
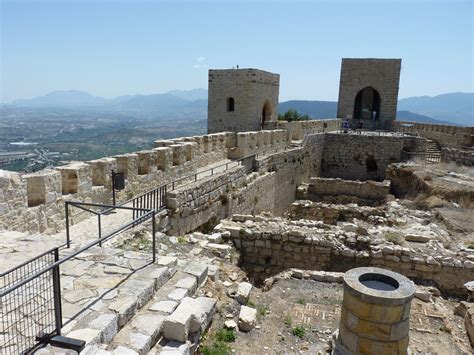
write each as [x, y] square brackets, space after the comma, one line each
[375, 312]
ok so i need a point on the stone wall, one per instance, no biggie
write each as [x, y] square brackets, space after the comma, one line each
[368, 192]
[291, 168]
[383, 75]
[458, 156]
[35, 202]
[217, 197]
[255, 99]
[267, 249]
[359, 157]
[297, 130]
[332, 213]
[249, 143]
[449, 136]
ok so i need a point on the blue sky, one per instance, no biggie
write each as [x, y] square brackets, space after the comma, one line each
[112, 48]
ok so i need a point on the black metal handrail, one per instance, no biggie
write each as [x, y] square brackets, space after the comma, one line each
[427, 156]
[45, 280]
[148, 215]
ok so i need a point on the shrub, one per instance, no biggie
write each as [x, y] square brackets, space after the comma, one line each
[226, 335]
[181, 240]
[298, 331]
[216, 348]
[301, 301]
[288, 321]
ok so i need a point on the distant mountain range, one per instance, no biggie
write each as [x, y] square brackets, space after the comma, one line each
[328, 109]
[451, 108]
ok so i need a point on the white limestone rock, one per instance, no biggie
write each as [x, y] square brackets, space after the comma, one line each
[243, 292]
[247, 318]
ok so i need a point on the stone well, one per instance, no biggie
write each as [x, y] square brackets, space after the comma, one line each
[375, 312]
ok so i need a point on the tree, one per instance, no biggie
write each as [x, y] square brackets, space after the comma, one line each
[292, 115]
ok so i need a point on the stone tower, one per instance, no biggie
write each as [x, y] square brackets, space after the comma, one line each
[368, 92]
[241, 99]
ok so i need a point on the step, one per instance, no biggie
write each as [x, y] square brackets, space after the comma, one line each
[144, 330]
[116, 305]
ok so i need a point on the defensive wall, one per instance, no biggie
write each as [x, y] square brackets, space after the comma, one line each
[445, 135]
[268, 246]
[294, 152]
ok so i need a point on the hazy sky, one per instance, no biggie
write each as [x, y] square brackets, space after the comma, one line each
[111, 48]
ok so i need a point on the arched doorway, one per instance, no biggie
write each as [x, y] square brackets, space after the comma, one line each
[266, 112]
[367, 104]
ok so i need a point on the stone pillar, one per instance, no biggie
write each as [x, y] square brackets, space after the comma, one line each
[146, 162]
[375, 315]
[102, 171]
[75, 178]
[207, 143]
[127, 164]
[179, 155]
[43, 187]
[164, 158]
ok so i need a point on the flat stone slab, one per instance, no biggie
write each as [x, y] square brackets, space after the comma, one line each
[175, 348]
[190, 316]
[178, 294]
[168, 261]
[189, 283]
[89, 335]
[197, 269]
[164, 307]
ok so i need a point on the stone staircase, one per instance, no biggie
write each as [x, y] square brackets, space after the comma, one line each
[432, 152]
[150, 312]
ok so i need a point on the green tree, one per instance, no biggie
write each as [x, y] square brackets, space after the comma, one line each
[292, 115]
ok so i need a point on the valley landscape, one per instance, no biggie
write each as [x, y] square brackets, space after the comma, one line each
[65, 126]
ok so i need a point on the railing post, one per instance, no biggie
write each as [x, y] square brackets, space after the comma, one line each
[68, 240]
[153, 232]
[100, 230]
[57, 294]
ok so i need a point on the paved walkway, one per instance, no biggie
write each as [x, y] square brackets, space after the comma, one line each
[18, 247]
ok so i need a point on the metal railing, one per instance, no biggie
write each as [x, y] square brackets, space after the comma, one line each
[156, 198]
[28, 303]
[431, 158]
[30, 293]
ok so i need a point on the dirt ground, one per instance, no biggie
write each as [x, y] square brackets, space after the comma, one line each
[315, 306]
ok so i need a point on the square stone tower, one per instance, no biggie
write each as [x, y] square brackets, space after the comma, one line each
[241, 99]
[368, 92]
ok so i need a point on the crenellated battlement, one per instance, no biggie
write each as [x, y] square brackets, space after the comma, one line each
[446, 135]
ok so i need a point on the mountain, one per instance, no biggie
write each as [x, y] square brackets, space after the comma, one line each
[456, 107]
[62, 98]
[314, 109]
[328, 109]
[191, 95]
[415, 117]
[452, 108]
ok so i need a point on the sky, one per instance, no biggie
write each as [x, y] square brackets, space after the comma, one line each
[111, 47]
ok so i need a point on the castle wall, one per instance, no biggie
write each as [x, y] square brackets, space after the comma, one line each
[320, 188]
[381, 74]
[449, 136]
[458, 156]
[250, 89]
[214, 198]
[359, 157]
[265, 253]
[35, 202]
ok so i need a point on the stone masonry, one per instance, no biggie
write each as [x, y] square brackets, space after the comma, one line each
[383, 75]
[254, 97]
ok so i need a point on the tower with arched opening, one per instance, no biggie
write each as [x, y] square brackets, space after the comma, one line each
[241, 99]
[368, 92]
